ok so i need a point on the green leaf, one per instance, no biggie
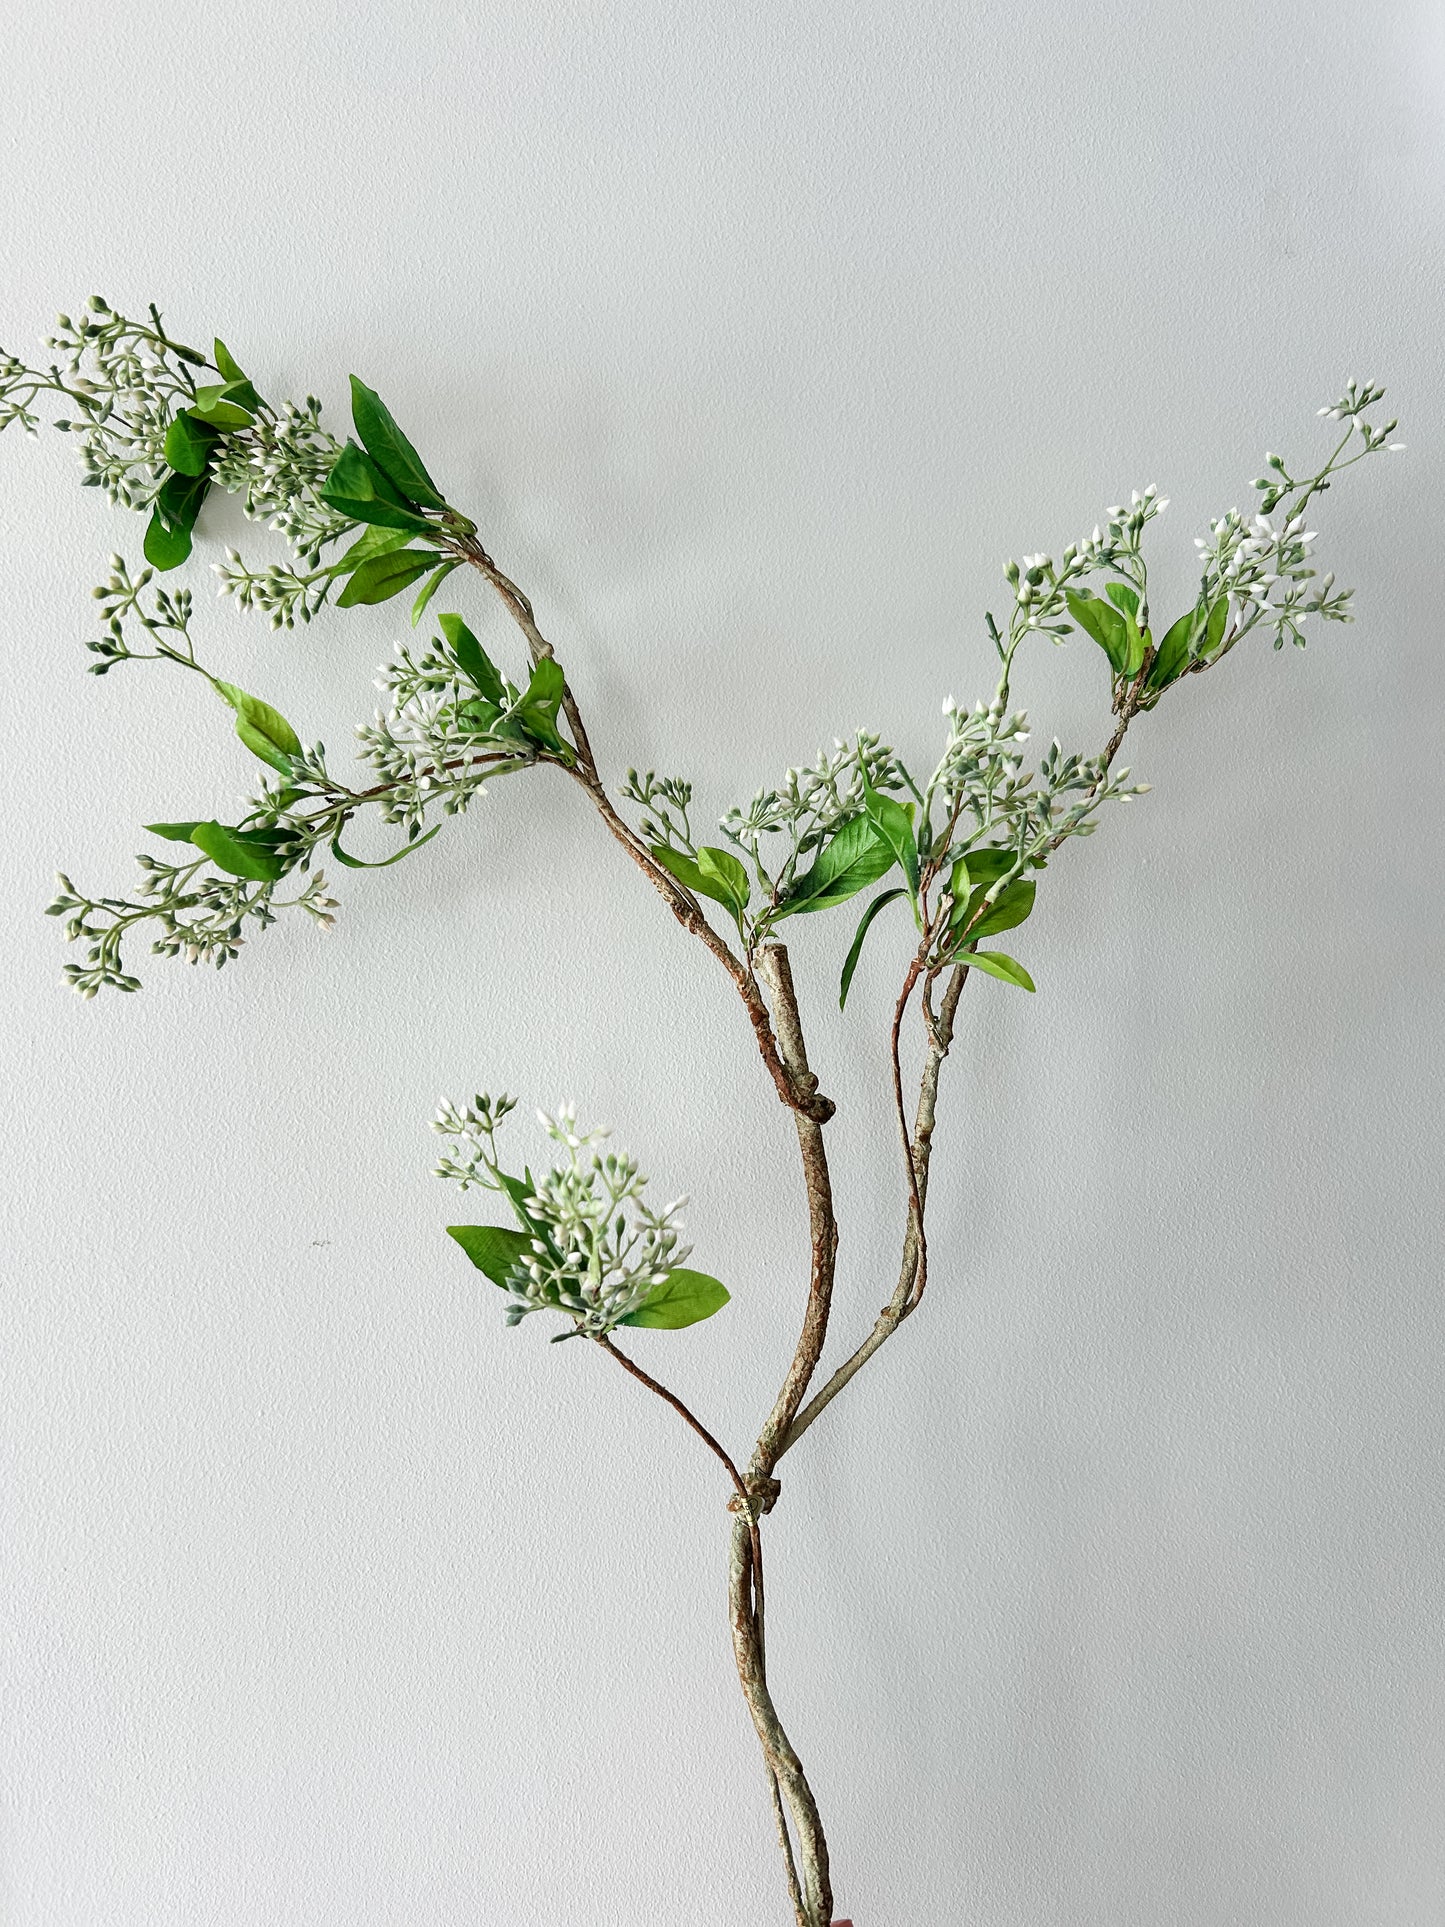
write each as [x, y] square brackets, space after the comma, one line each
[172, 832]
[389, 448]
[852, 859]
[473, 661]
[178, 501]
[165, 548]
[226, 361]
[385, 576]
[724, 869]
[982, 866]
[382, 863]
[1123, 597]
[1011, 906]
[227, 404]
[895, 825]
[359, 489]
[244, 853]
[189, 444]
[494, 1251]
[683, 1298]
[372, 541]
[264, 730]
[856, 949]
[429, 589]
[1214, 630]
[537, 711]
[1107, 626]
[1173, 657]
[692, 876]
[1008, 970]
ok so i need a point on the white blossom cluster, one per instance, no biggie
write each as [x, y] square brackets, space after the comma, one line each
[813, 802]
[597, 1251]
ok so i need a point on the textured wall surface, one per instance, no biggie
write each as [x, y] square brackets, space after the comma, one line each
[755, 337]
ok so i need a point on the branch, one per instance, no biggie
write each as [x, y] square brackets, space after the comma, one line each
[776, 971]
[808, 1102]
[905, 1296]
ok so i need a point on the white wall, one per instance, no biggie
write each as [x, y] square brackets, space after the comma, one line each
[755, 337]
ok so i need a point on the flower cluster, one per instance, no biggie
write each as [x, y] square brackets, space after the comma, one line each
[591, 1247]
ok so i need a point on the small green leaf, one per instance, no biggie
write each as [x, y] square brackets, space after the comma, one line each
[244, 853]
[1008, 970]
[189, 444]
[473, 661]
[1011, 906]
[692, 876]
[1123, 597]
[226, 361]
[984, 865]
[382, 863]
[178, 501]
[1174, 651]
[429, 589]
[165, 548]
[362, 491]
[385, 576]
[1107, 627]
[372, 541]
[854, 857]
[264, 730]
[856, 949]
[172, 832]
[389, 448]
[227, 404]
[895, 825]
[724, 869]
[493, 1250]
[683, 1298]
[1214, 631]
[537, 711]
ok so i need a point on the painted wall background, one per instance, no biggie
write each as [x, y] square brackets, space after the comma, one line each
[756, 338]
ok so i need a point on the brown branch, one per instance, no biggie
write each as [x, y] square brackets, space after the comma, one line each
[776, 971]
[684, 906]
[905, 1296]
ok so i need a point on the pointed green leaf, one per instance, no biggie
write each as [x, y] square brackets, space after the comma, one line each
[857, 855]
[1214, 631]
[895, 825]
[537, 711]
[1107, 627]
[856, 949]
[389, 448]
[1008, 970]
[165, 548]
[357, 488]
[723, 868]
[227, 404]
[429, 589]
[385, 576]
[172, 832]
[1123, 597]
[178, 501]
[1174, 651]
[982, 866]
[189, 444]
[264, 730]
[372, 541]
[692, 876]
[243, 853]
[1011, 906]
[494, 1251]
[473, 661]
[226, 362]
[683, 1298]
